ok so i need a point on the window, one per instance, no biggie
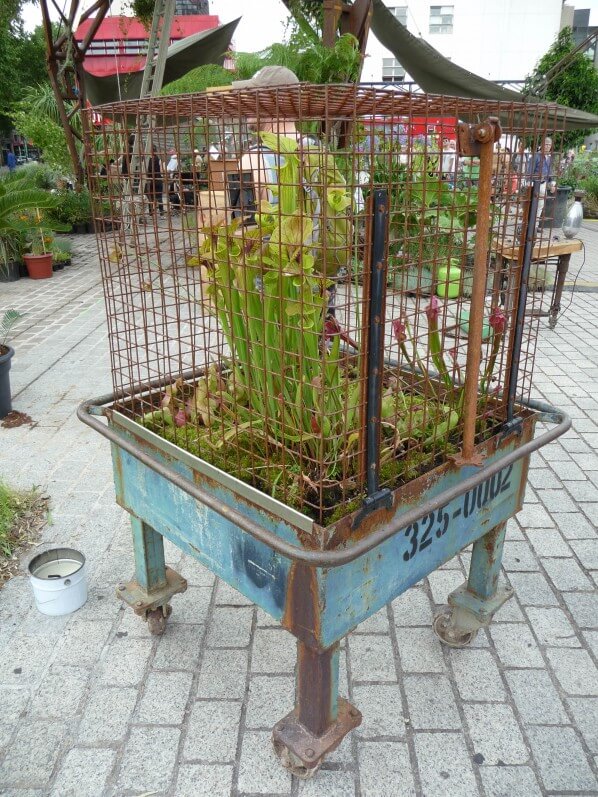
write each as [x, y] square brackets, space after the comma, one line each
[400, 13]
[392, 71]
[441, 19]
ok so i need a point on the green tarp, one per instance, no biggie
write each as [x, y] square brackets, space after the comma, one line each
[207, 47]
[435, 74]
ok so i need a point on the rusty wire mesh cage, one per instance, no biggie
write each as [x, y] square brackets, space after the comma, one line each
[245, 238]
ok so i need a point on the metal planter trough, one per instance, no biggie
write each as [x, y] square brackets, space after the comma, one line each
[320, 444]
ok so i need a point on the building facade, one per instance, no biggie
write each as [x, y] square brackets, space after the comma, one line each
[120, 44]
[498, 41]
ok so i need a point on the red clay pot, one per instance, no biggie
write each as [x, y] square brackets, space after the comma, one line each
[39, 267]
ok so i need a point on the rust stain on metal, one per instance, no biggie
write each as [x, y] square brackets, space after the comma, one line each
[302, 610]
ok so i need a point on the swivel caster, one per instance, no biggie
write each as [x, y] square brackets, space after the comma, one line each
[156, 619]
[448, 634]
[293, 763]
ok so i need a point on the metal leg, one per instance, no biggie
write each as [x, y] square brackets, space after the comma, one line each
[561, 274]
[320, 719]
[472, 605]
[154, 583]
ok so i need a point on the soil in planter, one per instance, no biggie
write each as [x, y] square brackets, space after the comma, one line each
[276, 471]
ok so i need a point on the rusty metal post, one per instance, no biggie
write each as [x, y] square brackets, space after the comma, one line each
[484, 135]
[332, 9]
[316, 696]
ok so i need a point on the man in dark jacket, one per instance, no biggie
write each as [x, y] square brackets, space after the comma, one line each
[154, 185]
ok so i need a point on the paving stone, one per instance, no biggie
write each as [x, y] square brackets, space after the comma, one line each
[274, 651]
[260, 771]
[518, 556]
[196, 574]
[382, 710]
[154, 708]
[536, 698]
[560, 759]
[31, 757]
[149, 758]
[412, 608]
[582, 491]
[566, 574]
[178, 648]
[515, 645]
[191, 606]
[574, 527]
[107, 714]
[532, 589]
[213, 731]
[228, 596]
[569, 471]
[60, 692]
[329, 784]
[431, 702]
[509, 782]
[591, 638]
[84, 773]
[557, 500]
[551, 627]
[223, 674]
[585, 715]
[230, 627]
[548, 542]
[385, 770]
[442, 583]
[495, 733]
[543, 479]
[587, 552]
[13, 702]
[270, 699]
[83, 643]
[201, 780]
[534, 516]
[124, 661]
[584, 608]
[24, 659]
[372, 658]
[444, 765]
[476, 675]
[575, 671]
[375, 624]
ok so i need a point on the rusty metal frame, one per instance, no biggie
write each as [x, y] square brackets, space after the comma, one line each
[88, 412]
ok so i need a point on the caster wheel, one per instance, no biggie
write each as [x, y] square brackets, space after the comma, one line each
[156, 619]
[295, 765]
[447, 635]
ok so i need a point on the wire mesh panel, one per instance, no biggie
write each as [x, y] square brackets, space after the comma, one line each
[250, 242]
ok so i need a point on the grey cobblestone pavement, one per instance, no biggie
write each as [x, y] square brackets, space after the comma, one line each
[90, 704]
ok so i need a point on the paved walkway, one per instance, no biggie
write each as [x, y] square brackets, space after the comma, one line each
[90, 704]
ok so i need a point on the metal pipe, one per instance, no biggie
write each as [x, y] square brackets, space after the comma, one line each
[88, 409]
[375, 346]
[476, 316]
[530, 230]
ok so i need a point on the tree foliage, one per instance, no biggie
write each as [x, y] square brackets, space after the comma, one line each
[575, 86]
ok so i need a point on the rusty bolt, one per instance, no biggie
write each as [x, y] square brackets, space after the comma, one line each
[309, 753]
[122, 587]
[139, 603]
[353, 712]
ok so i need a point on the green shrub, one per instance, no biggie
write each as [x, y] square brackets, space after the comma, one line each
[9, 506]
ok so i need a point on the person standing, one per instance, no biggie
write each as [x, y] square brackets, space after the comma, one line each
[520, 165]
[11, 161]
[541, 169]
[154, 186]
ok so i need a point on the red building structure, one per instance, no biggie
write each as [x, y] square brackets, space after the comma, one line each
[120, 44]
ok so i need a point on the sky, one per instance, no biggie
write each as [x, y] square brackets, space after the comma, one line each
[262, 23]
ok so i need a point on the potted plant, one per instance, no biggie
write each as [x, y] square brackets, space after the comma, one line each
[61, 253]
[16, 200]
[39, 259]
[6, 353]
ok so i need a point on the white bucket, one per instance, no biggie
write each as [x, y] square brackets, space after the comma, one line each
[59, 580]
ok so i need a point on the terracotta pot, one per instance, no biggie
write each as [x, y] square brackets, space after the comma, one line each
[39, 267]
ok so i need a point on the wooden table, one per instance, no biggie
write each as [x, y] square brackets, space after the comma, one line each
[507, 250]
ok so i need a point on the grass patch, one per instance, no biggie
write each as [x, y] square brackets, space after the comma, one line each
[23, 514]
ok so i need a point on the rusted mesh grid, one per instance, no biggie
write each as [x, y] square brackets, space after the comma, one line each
[238, 277]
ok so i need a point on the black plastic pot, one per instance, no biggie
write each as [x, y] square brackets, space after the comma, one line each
[555, 208]
[9, 272]
[80, 229]
[6, 354]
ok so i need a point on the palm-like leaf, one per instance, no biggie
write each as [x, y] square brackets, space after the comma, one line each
[9, 319]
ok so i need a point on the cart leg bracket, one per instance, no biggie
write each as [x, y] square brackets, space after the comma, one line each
[466, 613]
[306, 749]
[142, 601]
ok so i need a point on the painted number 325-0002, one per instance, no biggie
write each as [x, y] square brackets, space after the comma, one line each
[422, 533]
